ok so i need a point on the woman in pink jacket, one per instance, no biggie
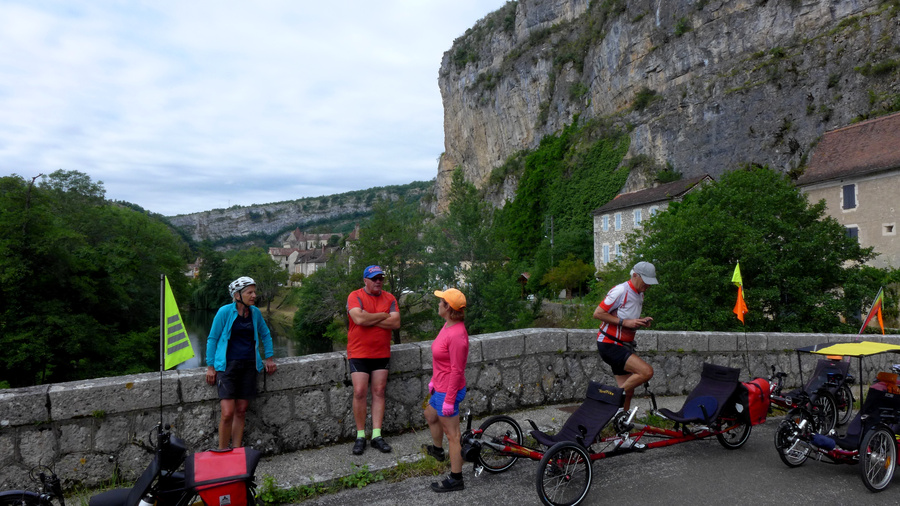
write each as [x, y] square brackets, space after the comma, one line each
[449, 353]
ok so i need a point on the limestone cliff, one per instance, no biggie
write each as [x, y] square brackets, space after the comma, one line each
[701, 85]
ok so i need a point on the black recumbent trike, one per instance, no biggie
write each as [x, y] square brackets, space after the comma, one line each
[871, 437]
[717, 406]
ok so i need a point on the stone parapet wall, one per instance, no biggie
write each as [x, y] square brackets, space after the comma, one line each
[87, 431]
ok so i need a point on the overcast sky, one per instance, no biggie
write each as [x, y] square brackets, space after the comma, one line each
[186, 106]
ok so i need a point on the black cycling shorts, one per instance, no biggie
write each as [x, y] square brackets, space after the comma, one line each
[615, 355]
[367, 365]
[238, 381]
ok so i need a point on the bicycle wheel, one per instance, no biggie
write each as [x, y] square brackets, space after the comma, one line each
[737, 436]
[786, 436]
[21, 499]
[494, 429]
[844, 400]
[825, 407]
[877, 458]
[564, 474]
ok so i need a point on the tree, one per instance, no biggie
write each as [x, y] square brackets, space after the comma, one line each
[391, 239]
[569, 275]
[321, 316]
[794, 260]
[80, 277]
[257, 264]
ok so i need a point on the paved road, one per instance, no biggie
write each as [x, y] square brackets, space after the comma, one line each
[696, 473]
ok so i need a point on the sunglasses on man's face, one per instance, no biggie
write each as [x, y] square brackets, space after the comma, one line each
[377, 278]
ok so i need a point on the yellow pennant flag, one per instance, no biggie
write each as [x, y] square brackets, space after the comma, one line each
[740, 307]
[177, 344]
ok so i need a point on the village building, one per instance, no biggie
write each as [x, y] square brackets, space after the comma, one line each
[305, 253]
[624, 214]
[856, 171]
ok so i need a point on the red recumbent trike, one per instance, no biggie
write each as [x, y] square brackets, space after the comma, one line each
[718, 406]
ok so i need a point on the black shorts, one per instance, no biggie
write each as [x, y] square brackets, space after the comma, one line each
[367, 365]
[238, 380]
[615, 355]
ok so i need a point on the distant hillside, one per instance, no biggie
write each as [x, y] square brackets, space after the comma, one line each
[261, 224]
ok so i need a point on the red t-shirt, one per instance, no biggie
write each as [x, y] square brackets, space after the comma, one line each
[369, 342]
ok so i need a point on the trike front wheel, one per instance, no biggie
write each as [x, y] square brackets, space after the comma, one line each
[564, 474]
[877, 458]
[792, 453]
[826, 408]
[735, 437]
[497, 429]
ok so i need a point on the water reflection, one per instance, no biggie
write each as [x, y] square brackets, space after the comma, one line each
[198, 324]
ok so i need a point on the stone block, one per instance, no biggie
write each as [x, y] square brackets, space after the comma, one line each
[475, 352]
[194, 387]
[309, 371]
[406, 358]
[75, 437]
[751, 341]
[37, 446]
[724, 341]
[782, 342]
[111, 433]
[502, 345]
[581, 340]
[686, 341]
[645, 340]
[112, 395]
[311, 406]
[8, 447]
[275, 409]
[544, 341]
[13, 477]
[24, 406]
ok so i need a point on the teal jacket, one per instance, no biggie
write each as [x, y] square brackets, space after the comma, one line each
[220, 333]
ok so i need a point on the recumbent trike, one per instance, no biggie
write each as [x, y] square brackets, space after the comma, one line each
[718, 406]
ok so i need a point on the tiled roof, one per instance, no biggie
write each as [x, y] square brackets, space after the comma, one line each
[855, 150]
[661, 193]
[282, 251]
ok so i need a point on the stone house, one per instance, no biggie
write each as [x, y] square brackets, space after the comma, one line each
[856, 171]
[624, 214]
[305, 253]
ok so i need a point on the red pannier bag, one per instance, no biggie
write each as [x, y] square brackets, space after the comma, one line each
[222, 477]
[757, 400]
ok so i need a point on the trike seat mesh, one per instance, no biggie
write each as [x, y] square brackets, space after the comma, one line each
[878, 403]
[824, 369]
[600, 404]
[717, 384]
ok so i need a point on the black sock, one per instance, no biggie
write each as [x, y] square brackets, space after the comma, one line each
[456, 476]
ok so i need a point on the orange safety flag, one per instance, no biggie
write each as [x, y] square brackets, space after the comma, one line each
[876, 309]
[740, 307]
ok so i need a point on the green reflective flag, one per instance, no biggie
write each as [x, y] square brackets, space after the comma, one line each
[177, 344]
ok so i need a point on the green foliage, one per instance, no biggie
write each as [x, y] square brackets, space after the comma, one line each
[257, 264]
[81, 277]
[682, 26]
[570, 274]
[643, 98]
[578, 90]
[567, 177]
[878, 69]
[321, 303]
[794, 260]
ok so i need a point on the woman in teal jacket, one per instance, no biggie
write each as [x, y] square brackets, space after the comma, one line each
[232, 358]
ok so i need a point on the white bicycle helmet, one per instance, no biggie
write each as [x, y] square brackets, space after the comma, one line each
[239, 284]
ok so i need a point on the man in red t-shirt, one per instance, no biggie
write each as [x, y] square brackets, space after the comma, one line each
[620, 314]
[373, 315]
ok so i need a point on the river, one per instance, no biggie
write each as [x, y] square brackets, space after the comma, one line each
[198, 323]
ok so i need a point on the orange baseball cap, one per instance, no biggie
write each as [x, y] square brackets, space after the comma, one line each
[454, 297]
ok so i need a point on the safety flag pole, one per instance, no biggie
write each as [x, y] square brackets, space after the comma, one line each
[740, 307]
[876, 310]
[174, 343]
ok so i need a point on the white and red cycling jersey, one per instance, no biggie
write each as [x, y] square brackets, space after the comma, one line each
[624, 302]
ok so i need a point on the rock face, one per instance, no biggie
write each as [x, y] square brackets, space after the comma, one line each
[238, 221]
[704, 86]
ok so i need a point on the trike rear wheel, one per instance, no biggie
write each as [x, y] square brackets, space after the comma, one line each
[735, 437]
[826, 408]
[844, 400]
[564, 474]
[495, 429]
[877, 458]
[786, 437]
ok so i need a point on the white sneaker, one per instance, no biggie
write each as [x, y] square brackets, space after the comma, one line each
[628, 443]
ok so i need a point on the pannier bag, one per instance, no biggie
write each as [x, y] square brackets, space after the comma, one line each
[757, 400]
[223, 477]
